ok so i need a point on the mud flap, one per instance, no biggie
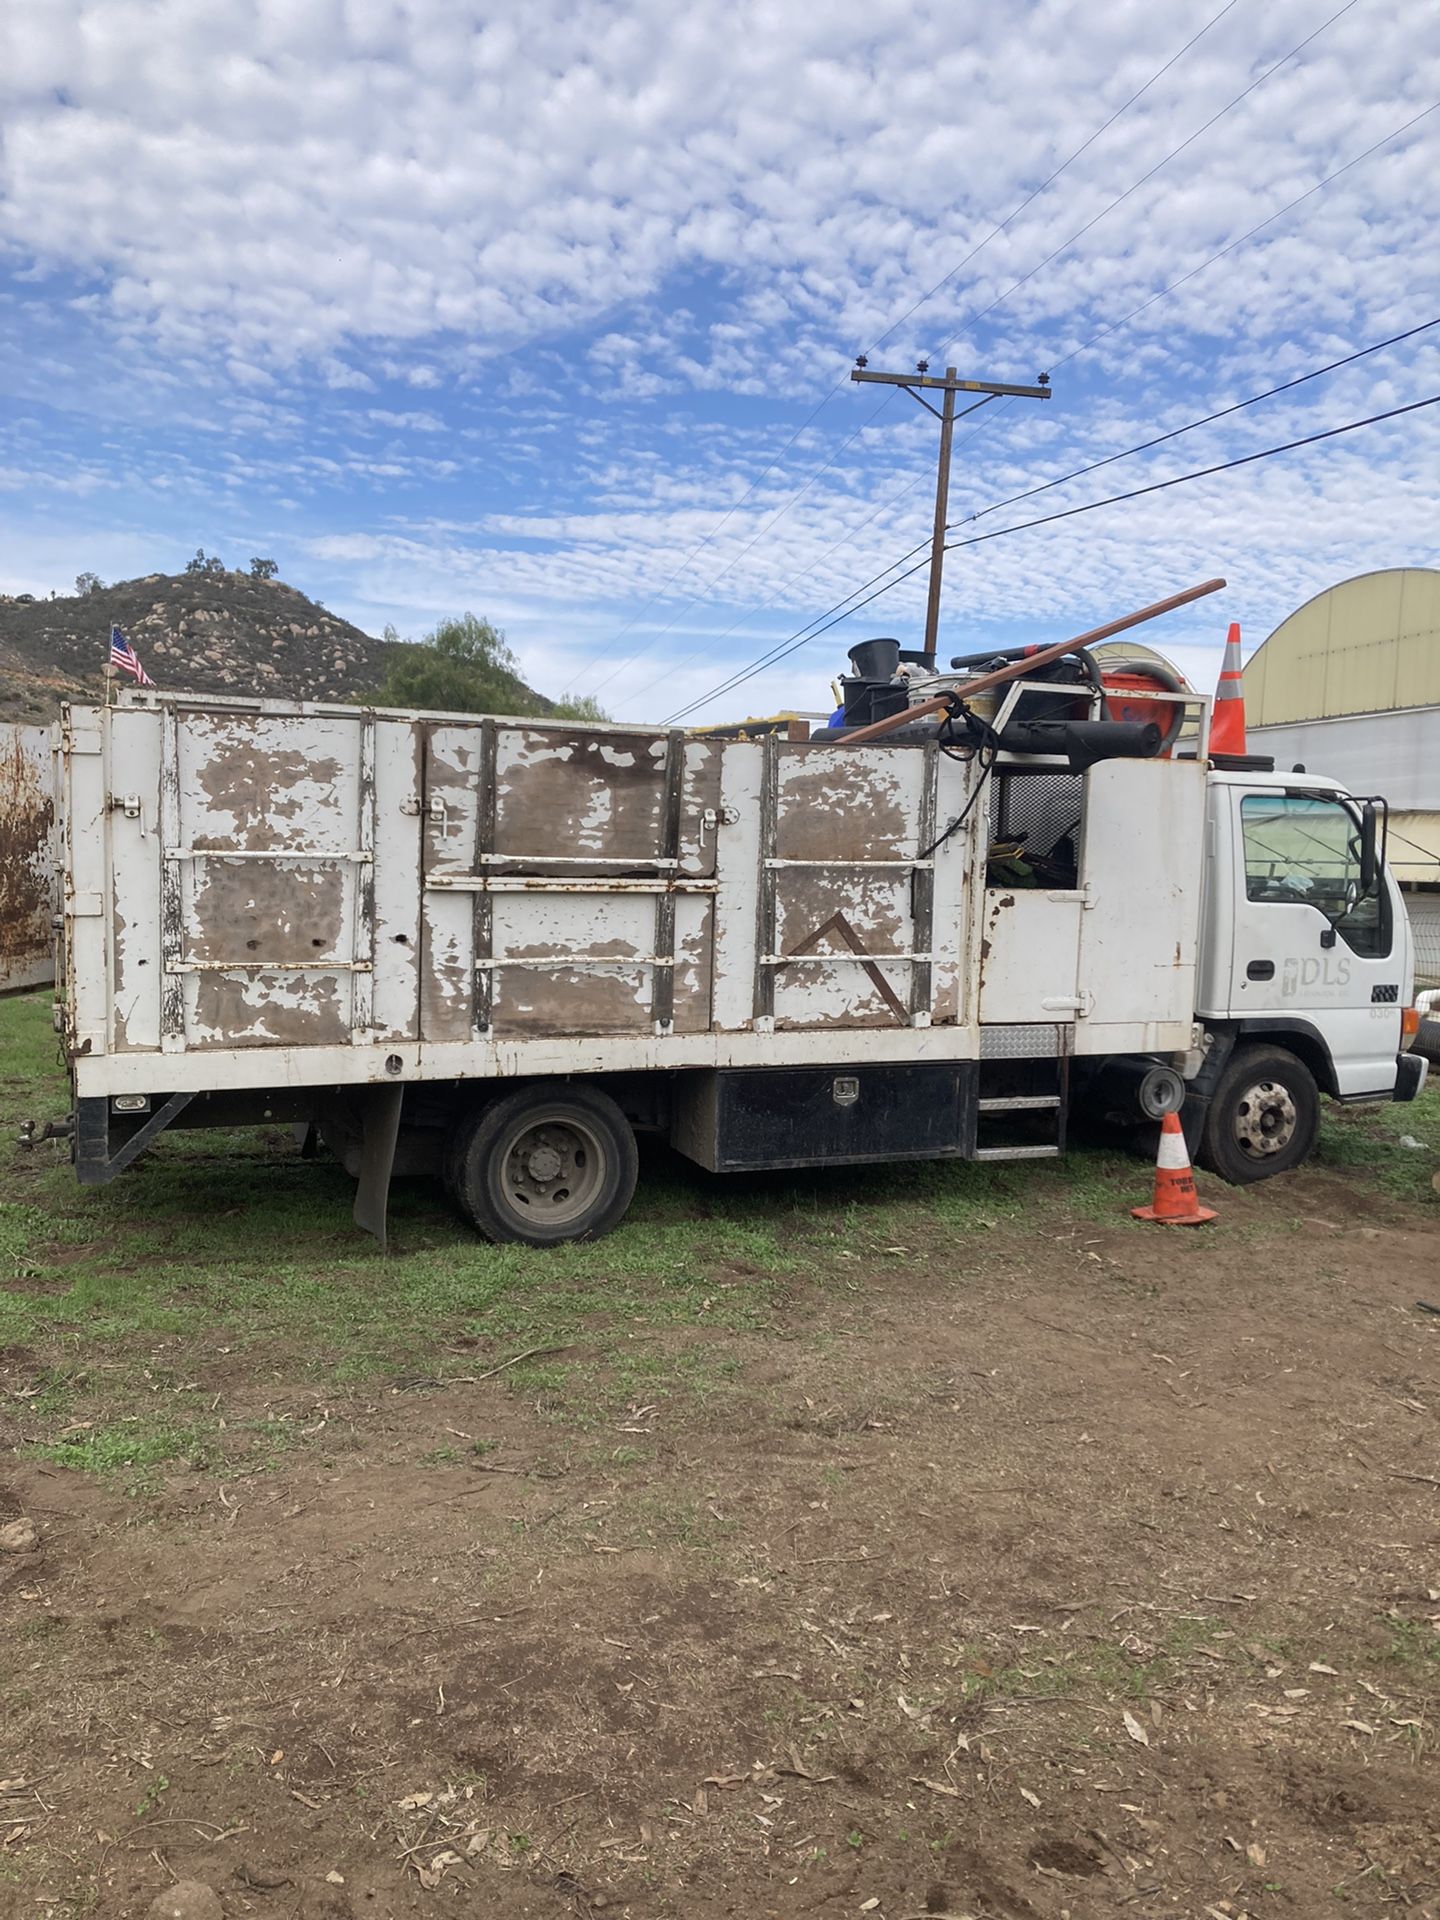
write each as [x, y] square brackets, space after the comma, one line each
[1200, 1090]
[377, 1158]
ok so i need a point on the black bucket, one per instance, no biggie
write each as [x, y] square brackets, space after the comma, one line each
[875, 659]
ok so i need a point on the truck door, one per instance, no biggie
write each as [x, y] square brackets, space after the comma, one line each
[1310, 944]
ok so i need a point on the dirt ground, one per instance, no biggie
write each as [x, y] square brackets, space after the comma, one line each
[1044, 1566]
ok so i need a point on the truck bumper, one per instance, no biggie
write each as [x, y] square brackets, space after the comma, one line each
[1410, 1071]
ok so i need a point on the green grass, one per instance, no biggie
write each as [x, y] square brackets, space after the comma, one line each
[232, 1239]
[1366, 1140]
[129, 1445]
[1413, 1644]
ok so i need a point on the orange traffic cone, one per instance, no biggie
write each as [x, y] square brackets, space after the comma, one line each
[1176, 1203]
[1227, 722]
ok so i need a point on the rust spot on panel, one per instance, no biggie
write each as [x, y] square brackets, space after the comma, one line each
[571, 1000]
[445, 973]
[251, 912]
[877, 905]
[598, 796]
[833, 808]
[837, 924]
[694, 971]
[27, 814]
[613, 949]
[276, 795]
[275, 1009]
[120, 949]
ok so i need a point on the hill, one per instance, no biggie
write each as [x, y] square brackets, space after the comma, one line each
[206, 633]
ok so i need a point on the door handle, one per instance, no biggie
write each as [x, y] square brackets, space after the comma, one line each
[1327, 938]
[1260, 970]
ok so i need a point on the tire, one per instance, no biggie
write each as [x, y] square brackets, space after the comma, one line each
[1263, 1117]
[550, 1162]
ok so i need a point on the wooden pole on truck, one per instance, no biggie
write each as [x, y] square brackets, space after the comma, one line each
[945, 414]
[1018, 669]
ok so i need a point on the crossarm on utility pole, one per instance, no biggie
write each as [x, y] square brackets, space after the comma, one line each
[949, 386]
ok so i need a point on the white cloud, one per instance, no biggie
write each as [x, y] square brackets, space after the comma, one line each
[622, 254]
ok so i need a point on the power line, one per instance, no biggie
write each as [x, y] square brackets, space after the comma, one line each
[754, 540]
[1201, 473]
[1259, 227]
[1105, 127]
[794, 644]
[1230, 246]
[1114, 326]
[841, 384]
[804, 634]
[1189, 141]
[1000, 533]
[844, 540]
[1206, 420]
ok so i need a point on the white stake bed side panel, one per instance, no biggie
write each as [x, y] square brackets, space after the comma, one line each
[263, 894]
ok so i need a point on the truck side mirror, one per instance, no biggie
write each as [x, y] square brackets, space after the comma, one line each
[1369, 859]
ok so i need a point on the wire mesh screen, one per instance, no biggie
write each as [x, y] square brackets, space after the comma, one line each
[1424, 910]
[1042, 812]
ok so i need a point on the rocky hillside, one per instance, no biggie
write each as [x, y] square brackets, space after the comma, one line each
[220, 633]
[206, 633]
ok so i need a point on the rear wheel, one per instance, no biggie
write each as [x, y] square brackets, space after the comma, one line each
[547, 1163]
[1263, 1118]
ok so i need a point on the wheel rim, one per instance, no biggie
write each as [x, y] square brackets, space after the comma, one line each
[552, 1168]
[1265, 1119]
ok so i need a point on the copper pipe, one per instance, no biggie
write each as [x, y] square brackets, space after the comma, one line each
[1019, 669]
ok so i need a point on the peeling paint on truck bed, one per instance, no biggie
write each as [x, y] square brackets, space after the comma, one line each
[331, 895]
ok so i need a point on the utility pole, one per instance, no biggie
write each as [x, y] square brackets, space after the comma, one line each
[946, 415]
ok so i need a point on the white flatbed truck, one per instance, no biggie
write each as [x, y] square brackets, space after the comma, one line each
[493, 949]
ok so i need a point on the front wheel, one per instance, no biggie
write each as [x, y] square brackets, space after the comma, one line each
[549, 1162]
[1264, 1116]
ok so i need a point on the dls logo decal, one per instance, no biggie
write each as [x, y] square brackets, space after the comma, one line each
[1329, 972]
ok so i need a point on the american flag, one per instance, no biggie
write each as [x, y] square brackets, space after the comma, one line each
[123, 656]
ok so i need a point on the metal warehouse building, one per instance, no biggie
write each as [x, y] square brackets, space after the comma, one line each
[1349, 685]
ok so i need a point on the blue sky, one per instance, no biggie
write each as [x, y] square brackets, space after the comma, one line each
[532, 311]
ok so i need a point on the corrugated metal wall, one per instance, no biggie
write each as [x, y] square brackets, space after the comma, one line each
[1368, 645]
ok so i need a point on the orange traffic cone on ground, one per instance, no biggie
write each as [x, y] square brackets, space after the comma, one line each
[1176, 1203]
[1227, 722]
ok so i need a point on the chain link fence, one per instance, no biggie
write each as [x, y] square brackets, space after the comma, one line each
[1424, 911]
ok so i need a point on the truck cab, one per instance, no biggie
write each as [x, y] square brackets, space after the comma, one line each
[1306, 968]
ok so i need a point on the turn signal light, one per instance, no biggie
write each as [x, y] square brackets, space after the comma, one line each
[1409, 1022]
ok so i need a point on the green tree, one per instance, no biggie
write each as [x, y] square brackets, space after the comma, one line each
[209, 564]
[263, 569]
[579, 706]
[88, 583]
[464, 666]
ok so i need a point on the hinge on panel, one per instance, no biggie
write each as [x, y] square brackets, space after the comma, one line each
[126, 803]
[714, 817]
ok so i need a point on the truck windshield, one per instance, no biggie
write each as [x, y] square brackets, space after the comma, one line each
[1305, 850]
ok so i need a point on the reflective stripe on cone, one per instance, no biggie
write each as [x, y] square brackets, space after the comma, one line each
[1227, 720]
[1176, 1202]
